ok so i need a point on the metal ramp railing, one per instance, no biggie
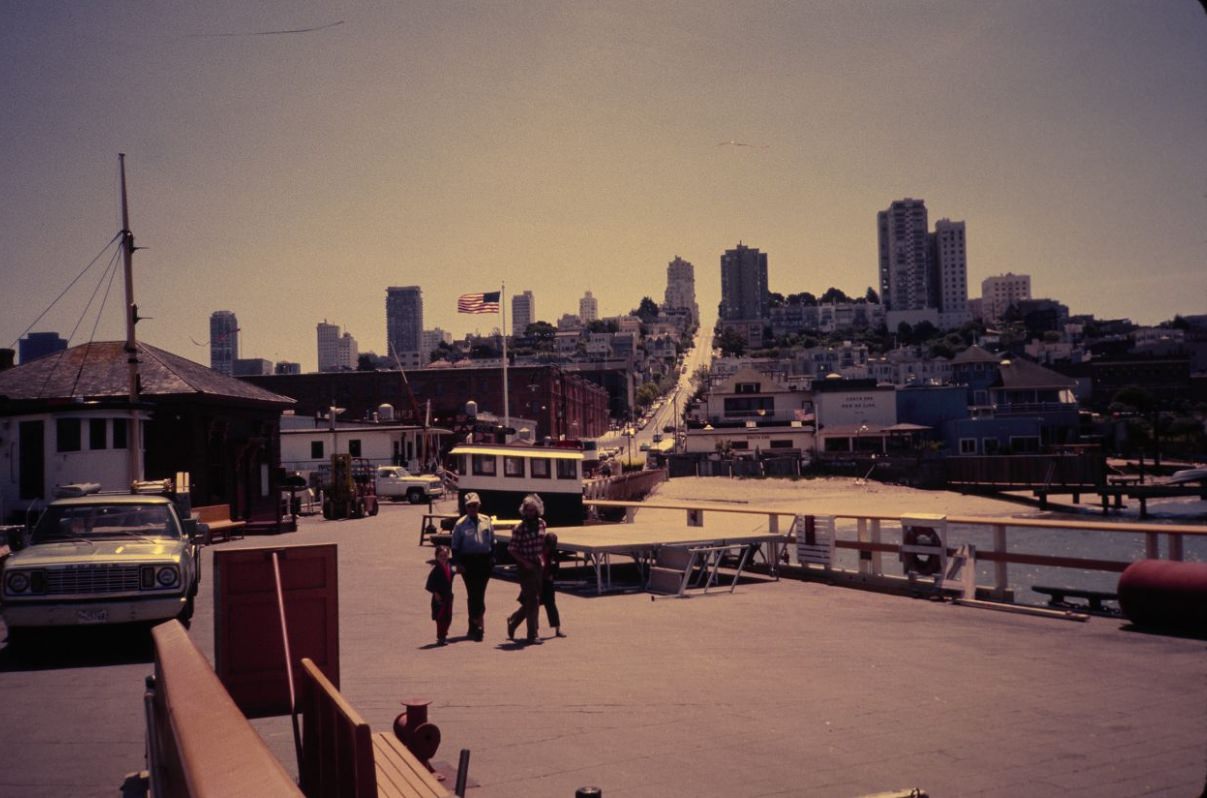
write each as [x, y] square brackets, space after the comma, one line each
[676, 569]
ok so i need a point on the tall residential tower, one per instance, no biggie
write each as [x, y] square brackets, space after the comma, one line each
[523, 312]
[224, 341]
[404, 326]
[680, 297]
[744, 293]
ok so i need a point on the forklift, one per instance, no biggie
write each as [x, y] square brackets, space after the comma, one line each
[348, 490]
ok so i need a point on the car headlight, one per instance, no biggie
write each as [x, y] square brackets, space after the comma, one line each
[155, 577]
[167, 577]
[16, 582]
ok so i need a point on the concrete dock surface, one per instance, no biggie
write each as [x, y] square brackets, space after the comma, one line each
[781, 688]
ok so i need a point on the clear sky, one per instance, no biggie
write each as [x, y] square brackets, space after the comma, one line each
[566, 146]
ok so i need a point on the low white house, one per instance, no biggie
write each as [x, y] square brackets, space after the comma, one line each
[307, 444]
[750, 440]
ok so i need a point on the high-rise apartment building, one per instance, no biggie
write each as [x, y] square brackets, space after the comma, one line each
[1000, 292]
[40, 344]
[224, 341]
[432, 340]
[744, 293]
[588, 308]
[681, 289]
[950, 268]
[328, 338]
[404, 325]
[923, 275]
[523, 312]
[904, 256]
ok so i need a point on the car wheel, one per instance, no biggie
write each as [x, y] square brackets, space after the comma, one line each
[328, 510]
[374, 506]
[414, 495]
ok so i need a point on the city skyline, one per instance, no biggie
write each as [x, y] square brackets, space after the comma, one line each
[290, 178]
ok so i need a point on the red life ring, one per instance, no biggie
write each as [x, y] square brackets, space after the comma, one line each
[918, 563]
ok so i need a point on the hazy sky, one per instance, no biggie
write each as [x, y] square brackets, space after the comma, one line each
[566, 146]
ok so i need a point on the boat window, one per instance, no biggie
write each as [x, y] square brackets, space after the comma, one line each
[513, 466]
[485, 465]
[540, 468]
[567, 469]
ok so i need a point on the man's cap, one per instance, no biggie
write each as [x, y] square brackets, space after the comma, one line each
[472, 498]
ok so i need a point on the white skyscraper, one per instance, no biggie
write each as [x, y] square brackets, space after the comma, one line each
[950, 272]
[336, 352]
[681, 288]
[588, 308]
[523, 312]
[904, 261]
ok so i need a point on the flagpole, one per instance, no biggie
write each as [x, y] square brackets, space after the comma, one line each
[503, 330]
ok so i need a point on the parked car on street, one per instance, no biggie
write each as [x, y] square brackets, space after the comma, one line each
[103, 559]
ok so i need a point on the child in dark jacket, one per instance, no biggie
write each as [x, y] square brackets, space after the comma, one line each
[550, 569]
[440, 585]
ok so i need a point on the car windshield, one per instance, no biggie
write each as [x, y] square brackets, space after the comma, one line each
[95, 521]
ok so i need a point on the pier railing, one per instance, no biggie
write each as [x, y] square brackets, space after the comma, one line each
[873, 535]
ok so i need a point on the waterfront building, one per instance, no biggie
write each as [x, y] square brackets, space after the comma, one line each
[224, 341]
[40, 344]
[404, 325]
[523, 312]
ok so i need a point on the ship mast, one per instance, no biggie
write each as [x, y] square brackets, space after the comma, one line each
[134, 436]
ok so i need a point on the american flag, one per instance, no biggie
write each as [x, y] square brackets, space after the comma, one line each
[478, 303]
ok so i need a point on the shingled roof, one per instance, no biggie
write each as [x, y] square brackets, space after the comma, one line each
[1019, 374]
[98, 370]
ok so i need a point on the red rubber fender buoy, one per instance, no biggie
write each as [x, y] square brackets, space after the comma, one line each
[1165, 594]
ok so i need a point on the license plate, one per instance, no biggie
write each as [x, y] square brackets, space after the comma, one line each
[92, 616]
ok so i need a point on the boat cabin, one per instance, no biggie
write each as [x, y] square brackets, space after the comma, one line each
[503, 475]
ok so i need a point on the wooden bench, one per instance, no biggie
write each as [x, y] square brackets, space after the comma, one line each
[1057, 597]
[342, 757]
[199, 742]
[217, 517]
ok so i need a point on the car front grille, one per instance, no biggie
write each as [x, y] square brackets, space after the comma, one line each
[92, 579]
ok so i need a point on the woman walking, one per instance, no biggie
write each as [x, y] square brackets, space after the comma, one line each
[473, 552]
[526, 546]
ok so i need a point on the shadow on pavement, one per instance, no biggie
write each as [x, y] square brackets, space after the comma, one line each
[89, 647]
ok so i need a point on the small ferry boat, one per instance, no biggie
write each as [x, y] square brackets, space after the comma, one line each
[502, 475]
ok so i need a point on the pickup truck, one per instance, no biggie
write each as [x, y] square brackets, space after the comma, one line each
[396, 483]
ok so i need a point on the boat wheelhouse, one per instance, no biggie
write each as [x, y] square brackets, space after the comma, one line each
[503, 475]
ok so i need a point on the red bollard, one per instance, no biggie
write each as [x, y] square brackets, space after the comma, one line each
[413, 730]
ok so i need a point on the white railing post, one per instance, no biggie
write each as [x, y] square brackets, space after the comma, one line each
[865, 565]
[1001, 577]
[877, 565]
